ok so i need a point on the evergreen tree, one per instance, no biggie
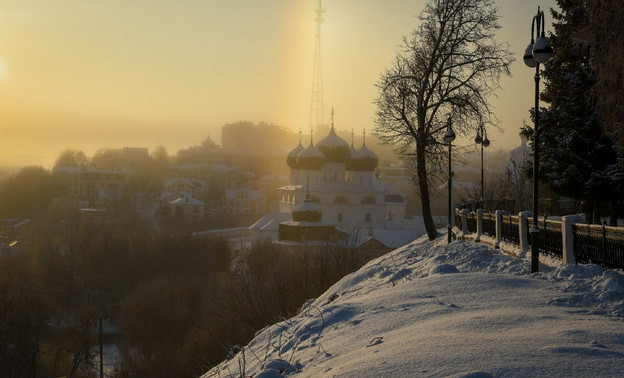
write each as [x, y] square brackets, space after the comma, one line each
[577, 159]
[605, 30]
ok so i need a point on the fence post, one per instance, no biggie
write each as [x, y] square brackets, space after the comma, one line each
[523, 227]
[465, 221]
[453, 210]
[499, 227]
[567, 237]
[604, 243]
[479, 225]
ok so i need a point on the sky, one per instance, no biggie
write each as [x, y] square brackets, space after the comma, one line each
[87, 74]
[462, 310]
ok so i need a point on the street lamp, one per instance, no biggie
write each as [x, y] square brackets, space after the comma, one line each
[537, 52]
[483, 140]
[449, 137]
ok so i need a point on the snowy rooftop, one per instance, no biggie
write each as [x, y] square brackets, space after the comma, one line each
[270, 221]
[458, 310]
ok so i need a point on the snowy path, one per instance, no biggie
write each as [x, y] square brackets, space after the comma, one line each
[429, 309]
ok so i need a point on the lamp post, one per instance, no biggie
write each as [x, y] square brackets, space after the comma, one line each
[536, 52]
[449, 137]
[483, 140]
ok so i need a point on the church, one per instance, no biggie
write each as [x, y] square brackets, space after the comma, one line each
[341, 180]
[334, 191]
[340, 183]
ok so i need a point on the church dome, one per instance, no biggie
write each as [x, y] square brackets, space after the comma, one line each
[311, 158]
[363, 159]
[307, 211]
[291, 159]
[349, 165]
[335, 149]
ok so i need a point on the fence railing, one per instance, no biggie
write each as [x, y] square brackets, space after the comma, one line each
[489, 224]
[594, 244]
[599, 245]
[551, 237]
[471, 224]
[510, 229]
[508, 205]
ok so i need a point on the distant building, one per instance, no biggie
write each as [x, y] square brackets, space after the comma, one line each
[305, 230]
[244, 201]
[93, 185]
[185, 208]
[247, 136]
[521, 155]
[334, 198]
[341, 180]
[179, 186]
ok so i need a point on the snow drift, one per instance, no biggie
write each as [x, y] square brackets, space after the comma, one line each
[458, 310]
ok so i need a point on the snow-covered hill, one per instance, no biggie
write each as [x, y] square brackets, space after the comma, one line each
[458, 310]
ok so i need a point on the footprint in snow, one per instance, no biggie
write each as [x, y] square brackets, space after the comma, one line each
[376, 341]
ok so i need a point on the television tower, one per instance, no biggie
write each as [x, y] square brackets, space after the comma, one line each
[316, 104]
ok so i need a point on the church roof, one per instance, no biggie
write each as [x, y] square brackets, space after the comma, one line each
[291, 159]
[270, 221]
[363, 159]
[307, 211]
[335, 149]
[311, 158]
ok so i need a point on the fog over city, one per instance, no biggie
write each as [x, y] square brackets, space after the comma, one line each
[354, 188]
[92, 75]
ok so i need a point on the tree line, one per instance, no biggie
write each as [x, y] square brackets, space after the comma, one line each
[179, 302]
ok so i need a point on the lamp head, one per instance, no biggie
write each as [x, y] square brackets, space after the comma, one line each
[478, 139]
[449, 136]
[486, 142]
[528, 56]
[542, 50]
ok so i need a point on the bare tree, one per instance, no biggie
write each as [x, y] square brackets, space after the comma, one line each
[72, 158]
[447, 70]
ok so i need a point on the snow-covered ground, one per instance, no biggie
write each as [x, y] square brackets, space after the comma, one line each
[458, 310]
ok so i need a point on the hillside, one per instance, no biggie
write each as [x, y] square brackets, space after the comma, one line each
[458, 310]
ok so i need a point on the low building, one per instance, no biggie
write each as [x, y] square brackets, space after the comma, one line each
[184, 208]
[93, 185]
[244, 201]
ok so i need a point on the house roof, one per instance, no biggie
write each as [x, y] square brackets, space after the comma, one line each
[270, 221]
[253, 194]
[186, 200]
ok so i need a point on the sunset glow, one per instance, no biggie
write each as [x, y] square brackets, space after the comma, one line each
[90, 75]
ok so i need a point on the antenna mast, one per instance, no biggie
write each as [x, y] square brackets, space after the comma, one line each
[316, 104]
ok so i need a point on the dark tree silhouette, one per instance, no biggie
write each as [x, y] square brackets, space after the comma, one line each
[448, 69]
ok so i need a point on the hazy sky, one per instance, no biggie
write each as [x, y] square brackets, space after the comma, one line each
[89, 74]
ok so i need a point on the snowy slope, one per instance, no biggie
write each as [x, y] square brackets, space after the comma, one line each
[459, 310]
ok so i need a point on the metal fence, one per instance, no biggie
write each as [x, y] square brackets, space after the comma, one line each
[593, 244]
[508, 205]
[472, 222]
[551, 239]
[489, 224]
[510, 229]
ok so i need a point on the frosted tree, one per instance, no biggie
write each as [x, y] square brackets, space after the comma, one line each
[447, 70]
